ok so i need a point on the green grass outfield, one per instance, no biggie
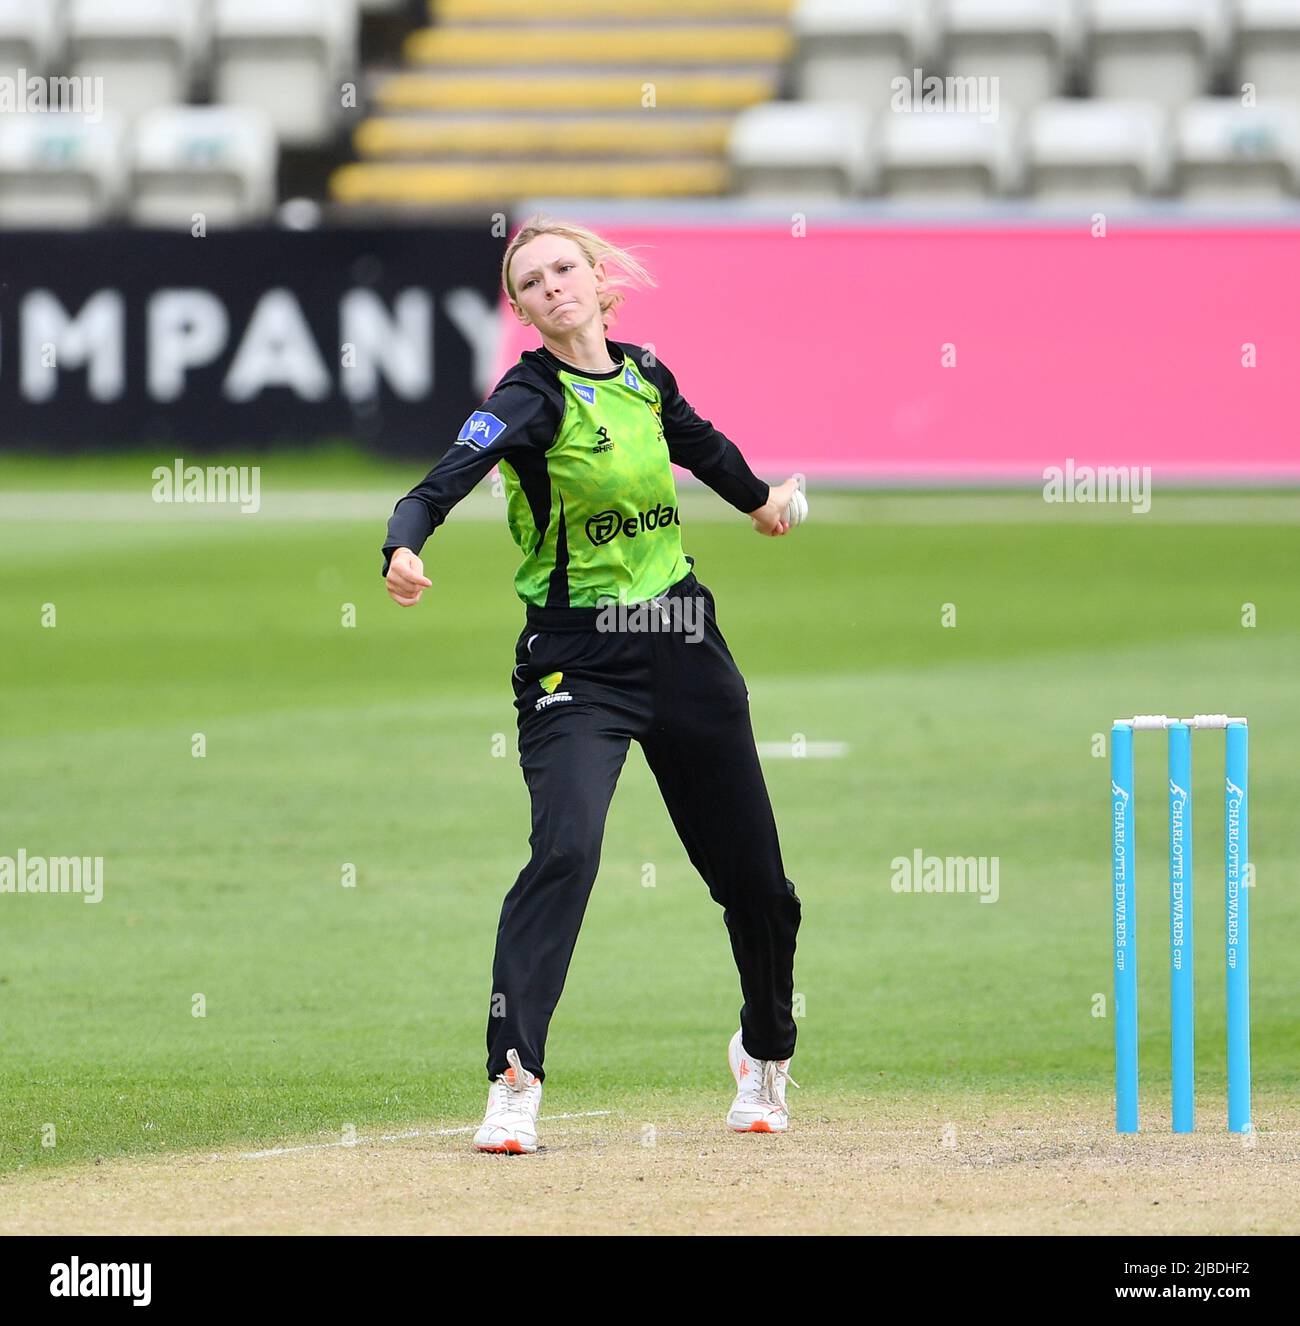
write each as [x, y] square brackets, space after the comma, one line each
[329, 1006]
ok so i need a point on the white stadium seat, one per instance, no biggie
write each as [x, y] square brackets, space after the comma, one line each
[1268, 48]
[1030, 46]
[949, 156]
[1155, 50]
[851, 50]
[289, 59]
[146, 51]
[805, 149]
[60, 170]
[1095, 151]
[1230, 152]
[30, 37]
[217, 160]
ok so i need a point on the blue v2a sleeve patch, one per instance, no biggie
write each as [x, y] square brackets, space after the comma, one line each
[480, 430]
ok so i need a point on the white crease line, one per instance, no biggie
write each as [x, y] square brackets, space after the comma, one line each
[398, 1137]
[1079, 1133]
[972, 1137]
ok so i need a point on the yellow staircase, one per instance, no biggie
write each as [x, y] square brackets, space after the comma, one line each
[500, 100]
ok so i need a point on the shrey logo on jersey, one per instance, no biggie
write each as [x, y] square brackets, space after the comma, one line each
[606, 525]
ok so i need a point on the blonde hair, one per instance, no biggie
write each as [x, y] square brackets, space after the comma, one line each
[594, 249]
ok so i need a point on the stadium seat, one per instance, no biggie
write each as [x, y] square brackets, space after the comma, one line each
[852, 50]
[60, 170]
[1092, 151]
[217, 160]
[806, 149]
[1030, 46]
[534, 93]
[613, 137]
[145, 50]
[1268, 48]
[491, 45]
[950, 156]
[1165, 51]
[30, 37]
[601, 11]
[1227, 151]
[288, 59]
[415, 186]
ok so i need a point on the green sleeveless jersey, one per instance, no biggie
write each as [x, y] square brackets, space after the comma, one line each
[586, 462]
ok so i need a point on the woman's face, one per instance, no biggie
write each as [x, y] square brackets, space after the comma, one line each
[555, 289]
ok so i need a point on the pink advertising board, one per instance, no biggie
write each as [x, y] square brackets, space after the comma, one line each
[978, 353]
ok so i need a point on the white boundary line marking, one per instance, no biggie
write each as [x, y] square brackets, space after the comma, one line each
[936, 505]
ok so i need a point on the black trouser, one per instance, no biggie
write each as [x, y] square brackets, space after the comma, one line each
[678, 692]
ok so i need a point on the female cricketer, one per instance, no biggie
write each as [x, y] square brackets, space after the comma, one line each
[620, 643]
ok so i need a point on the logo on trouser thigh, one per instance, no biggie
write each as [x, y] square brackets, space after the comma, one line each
[552, 696]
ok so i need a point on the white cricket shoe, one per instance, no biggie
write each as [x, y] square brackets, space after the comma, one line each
[759, 1106]
[510, 1124]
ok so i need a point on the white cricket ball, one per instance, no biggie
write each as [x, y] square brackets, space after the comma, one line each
[797, 512]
